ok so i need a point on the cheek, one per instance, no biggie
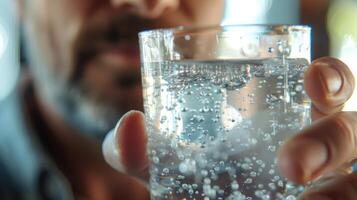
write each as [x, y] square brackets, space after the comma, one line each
[205, 12]
[37, 25]
[213, 13]
[54, 27]
[192, 13]
[64, 32]
[96, 82]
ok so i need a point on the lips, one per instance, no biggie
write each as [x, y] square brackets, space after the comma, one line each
[125, 54]
[120, 63]
[113, 42]
[119, 57]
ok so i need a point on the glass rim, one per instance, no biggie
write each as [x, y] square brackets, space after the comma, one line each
[166, 32]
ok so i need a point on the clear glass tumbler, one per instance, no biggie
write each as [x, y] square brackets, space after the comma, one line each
[219, 101]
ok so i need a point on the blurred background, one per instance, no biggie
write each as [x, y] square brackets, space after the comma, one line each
[9, 48]
[333, 22]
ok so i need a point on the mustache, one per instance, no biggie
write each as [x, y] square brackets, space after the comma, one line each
[128, 79]
[98, 33]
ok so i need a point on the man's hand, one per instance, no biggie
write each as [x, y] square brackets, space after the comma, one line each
[124, 148]
[325, 149]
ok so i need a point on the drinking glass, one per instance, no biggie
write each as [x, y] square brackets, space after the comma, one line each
[219, 102]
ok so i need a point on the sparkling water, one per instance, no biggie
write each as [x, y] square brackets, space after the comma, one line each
[215, 127]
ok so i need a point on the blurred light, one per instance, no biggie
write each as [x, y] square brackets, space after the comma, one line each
[3, 41]
[9, 48]
[255, 12]
[261, 12]
[246, 12]
[348, 54]
[242, 12]
[341, 19]
[342, 29]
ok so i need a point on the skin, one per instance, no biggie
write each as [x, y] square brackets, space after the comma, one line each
[78, 56]
[91, 51]
[85, 67]
[321, 153]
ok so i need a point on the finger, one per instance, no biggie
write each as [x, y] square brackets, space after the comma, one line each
[125, 147]
[316, 114]
[320, 148]
[342, 187]
[341, 171]
[329, 83]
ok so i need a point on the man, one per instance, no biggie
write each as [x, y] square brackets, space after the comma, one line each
[85, 74]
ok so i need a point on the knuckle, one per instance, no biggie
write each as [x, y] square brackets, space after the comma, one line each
[343, 136]
[342, 123]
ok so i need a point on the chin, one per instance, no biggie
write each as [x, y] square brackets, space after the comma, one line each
[90, 117]
[96, 118]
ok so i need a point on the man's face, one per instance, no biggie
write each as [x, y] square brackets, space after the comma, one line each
[84, 53]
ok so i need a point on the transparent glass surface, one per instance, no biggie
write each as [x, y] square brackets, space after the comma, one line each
[219, 102]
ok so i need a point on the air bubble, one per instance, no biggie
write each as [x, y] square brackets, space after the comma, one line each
[166, 170]
[284, 49]
[260, 162]
[253, 174]
[271, 49]
[207, 181]
[248, 181]
[155, 159]
[163, 119]
[188, 163]
[188, 167]
[280, 183]
[253, 141]
[299, 88]
[272, 186]
[180, 177]
[184, 186]
[290, 197]
[234, 185]
[271, 148]
[276, 178]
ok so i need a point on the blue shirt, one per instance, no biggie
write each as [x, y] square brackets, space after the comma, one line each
[26, 171]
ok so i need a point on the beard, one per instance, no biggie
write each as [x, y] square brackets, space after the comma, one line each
[85, 107]
[92, 117]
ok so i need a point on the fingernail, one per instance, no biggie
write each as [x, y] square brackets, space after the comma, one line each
[119, 122]
[330, 77]
[303, 159]
[110, 148]
[111, 152]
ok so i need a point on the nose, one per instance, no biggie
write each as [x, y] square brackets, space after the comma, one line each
[147, 8]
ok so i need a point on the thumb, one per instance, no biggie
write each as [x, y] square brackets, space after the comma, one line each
[124, 148]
